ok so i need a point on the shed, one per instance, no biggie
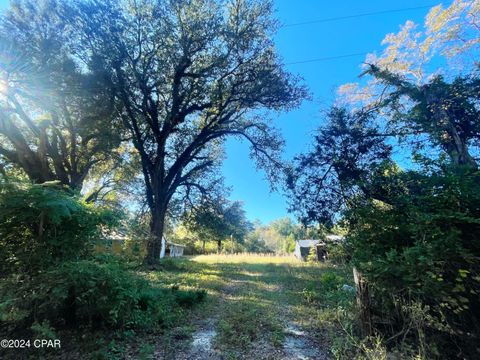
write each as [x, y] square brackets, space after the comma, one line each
[302, 249]
[170, 249]
[174, 250]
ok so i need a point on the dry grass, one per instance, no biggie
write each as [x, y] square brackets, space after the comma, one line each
[252, 298]
[248, 258]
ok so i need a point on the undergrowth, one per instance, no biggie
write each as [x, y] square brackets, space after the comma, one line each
[246, 322]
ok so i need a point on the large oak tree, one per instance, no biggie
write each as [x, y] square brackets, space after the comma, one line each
[188, 74]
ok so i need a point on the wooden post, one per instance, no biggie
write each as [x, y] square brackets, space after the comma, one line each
[363, 302]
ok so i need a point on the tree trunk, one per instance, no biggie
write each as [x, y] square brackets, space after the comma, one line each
[363, 303]
[452, 142]
[156, 228]
[457, 148]
[70, 309]
[219, 246]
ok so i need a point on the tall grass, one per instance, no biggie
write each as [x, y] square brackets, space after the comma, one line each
[249, 258]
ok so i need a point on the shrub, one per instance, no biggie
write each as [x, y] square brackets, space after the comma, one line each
[312, 255]
[93, 293]
[331, 281]
[49, 275]
[338, 253]
[188, 298]
[171, 264]
[138, 233]
[328, 291]
[420, 250]
[43, 225]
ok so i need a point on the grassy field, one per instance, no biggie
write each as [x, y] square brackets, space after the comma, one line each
[258, 306]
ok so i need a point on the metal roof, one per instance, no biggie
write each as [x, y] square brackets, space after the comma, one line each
[179, 245]
[335, 237]
[308, 242]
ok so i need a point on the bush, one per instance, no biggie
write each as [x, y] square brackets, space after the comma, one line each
[312, 255]
[338, 253]
[328, 291]
[419, 251]
[43, 225]
[171, 264]
[93, 293]
[188, 298]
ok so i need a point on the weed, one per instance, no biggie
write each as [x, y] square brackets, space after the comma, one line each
[245, 323]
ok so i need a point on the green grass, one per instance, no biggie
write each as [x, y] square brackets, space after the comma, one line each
[246, 322]
[253, 296]
[250, 299]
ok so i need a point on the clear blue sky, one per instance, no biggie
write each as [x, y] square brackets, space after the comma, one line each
[335, 38]
[363, 34]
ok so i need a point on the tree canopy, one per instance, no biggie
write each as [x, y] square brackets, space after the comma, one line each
[187, 75]
[56, 118]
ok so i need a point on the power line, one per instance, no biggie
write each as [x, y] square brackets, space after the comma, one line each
[327, 58]
[357, 16]
[345, 18]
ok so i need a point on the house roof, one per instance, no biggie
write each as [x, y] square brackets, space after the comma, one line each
[173, 244]
[115, 235]
[308, 242]
[335, 238]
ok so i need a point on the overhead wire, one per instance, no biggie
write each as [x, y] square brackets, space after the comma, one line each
[326, 58]
[347, 17]
[338, 18]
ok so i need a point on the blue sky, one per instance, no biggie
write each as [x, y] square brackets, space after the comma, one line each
[359, 35]
[299, 43]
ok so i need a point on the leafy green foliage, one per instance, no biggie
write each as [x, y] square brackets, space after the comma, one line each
[345, 152]
[95, 293]
[188, 298]
[422, 247]
[170, 264]
[43, 225]
[338, 253]
[50, 278]
[279, 235]
[218, 221]
[57, 119]
[445, 113]
[44, 330]
[255, 244]
[328, 291]
[312, 256]
[411, 233]
[210, 87]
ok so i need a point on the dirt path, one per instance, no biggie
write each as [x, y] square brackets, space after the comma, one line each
[202, 344]
[299, 344]
[255, 317]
